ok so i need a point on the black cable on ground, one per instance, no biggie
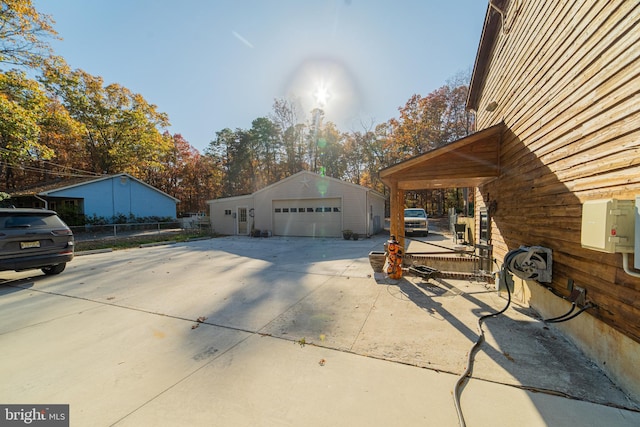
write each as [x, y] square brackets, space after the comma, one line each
[564, 319]
[456, 391]
[503, 274]
[554, 319]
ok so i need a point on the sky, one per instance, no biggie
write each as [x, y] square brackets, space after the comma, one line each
[216, 64]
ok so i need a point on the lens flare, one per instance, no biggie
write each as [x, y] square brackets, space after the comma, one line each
[322, 95]
[322, 185]
[328, 84]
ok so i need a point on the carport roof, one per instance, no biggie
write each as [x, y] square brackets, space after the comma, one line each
[468, 162]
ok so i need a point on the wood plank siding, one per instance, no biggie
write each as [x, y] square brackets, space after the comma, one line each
[566, 78]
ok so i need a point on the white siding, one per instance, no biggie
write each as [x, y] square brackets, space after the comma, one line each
[360, 209]
[223, 213]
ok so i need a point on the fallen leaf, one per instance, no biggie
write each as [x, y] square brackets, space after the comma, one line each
[508, 356]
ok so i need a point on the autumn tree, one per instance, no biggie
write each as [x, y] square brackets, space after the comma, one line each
[420, 127]
[36, 129]
[186, 175]
[67, 122]
[331, 153]
[204, 178]
[324, 147]
[64, 136]
[354, 156]
[22, 110]
[361, 150]
[122, 130]
[314, 141]
[427, 123]
[23, 31]
[266, 152]
[232, 151]
[291, 133]
[278, 145]
[461, 122]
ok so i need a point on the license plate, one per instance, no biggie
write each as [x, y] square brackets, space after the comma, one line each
[27, 245]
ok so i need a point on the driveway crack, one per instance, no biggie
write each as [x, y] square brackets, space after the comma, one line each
[365, 321]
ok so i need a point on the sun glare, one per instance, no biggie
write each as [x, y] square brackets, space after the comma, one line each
[328, 85]
[321, 95]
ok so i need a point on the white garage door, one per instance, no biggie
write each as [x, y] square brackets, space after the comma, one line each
[312, 217]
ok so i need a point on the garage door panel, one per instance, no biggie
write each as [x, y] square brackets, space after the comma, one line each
[312, 218]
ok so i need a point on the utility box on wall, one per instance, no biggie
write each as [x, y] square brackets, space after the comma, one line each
[608, 225]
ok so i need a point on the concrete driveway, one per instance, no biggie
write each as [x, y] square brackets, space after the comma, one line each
[283, 332]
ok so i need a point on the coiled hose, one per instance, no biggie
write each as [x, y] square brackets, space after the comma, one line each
[503, 273]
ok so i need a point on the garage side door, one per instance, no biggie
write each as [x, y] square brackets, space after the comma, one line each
[311, 218]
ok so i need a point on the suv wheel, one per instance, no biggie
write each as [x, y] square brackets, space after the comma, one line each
[54, 269]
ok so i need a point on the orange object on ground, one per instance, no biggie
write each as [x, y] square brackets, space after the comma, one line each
[393, 264]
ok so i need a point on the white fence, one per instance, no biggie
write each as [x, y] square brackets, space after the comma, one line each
[111, 231]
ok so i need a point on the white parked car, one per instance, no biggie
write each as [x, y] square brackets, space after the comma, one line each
[416, 221]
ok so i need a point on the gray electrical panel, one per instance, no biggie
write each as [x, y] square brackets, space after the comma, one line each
[608, 225]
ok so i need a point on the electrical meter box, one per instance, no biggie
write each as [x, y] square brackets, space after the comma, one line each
[608, 225]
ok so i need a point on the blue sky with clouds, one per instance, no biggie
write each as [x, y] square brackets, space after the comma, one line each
[213, 64]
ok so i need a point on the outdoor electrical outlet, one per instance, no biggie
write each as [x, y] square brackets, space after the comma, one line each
[581, 300]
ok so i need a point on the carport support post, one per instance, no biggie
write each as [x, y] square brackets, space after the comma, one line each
[396, 220]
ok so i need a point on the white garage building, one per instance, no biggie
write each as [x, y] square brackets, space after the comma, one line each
[304, 204]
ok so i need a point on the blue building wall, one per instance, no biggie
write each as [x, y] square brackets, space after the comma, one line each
[120, 195]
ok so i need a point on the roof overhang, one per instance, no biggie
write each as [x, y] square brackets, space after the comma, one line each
[492, 25]
[468, 162]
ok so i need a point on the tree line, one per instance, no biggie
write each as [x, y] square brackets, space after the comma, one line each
[59, 123]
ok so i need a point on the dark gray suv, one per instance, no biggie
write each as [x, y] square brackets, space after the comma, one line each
[34, 238]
